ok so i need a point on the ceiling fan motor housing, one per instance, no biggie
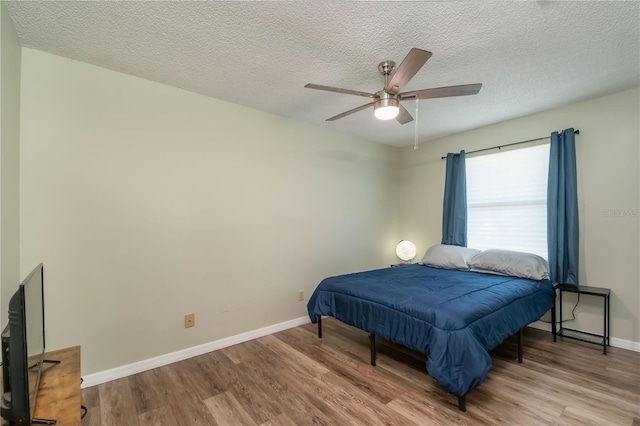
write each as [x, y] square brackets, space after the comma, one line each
[386, 105]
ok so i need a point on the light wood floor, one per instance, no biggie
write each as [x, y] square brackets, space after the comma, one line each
[292, 377]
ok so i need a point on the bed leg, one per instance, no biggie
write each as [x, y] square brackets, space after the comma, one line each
[372, 338]
[520, 346]
[319, 326]
[462, 403]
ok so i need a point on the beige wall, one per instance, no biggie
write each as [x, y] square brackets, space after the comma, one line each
[608, 194]
[10, 59]
[146, 202]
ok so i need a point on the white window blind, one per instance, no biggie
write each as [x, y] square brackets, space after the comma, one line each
[507, 200]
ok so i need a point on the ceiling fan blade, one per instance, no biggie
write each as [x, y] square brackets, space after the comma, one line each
[403, 116]
[338, 90]
[443, 92]
[351, 111]
[410, 65]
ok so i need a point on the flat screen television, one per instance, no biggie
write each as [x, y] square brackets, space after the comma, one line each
[23, 348]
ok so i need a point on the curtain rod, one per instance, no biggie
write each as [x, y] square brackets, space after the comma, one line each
[577, 132]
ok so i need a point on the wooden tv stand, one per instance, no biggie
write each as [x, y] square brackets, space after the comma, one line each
[59, 396]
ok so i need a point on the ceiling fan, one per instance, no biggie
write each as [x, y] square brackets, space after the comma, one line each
[386, 102]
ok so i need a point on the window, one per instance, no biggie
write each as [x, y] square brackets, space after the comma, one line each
[507, 200]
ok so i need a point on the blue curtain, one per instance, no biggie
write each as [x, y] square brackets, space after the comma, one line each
[454, 214]
[562, 209]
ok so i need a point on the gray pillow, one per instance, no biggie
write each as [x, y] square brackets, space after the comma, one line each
[449, 257]
[512, 263]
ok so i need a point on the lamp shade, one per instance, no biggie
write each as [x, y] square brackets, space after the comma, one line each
[386, 108]
[386, 112]
[406, 250]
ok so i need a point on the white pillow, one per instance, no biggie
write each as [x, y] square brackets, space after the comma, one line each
[512, 263]
[449, 257]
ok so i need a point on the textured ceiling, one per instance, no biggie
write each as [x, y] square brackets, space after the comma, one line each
[530, 56]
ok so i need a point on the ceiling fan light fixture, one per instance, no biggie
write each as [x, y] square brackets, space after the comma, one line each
[386, 108]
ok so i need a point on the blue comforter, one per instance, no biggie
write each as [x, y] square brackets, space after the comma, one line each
[453, 317]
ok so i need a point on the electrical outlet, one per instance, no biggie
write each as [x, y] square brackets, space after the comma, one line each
[300, 295]
[189, 320]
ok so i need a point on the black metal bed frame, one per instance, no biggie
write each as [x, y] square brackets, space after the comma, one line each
[462, 403]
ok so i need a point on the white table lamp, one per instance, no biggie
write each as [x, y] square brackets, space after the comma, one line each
[406, 250]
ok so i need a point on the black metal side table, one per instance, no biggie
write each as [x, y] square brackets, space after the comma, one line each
[598, 339]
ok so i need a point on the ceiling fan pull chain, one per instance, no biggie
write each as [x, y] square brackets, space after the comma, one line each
[415, 141]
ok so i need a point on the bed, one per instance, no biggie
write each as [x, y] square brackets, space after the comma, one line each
[454, 317]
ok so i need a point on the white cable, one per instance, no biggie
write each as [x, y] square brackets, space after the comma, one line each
[415, 140]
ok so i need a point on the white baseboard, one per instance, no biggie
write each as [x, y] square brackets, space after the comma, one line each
[613, 341]
[159, 361]
[624, 344]
[540, 326]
